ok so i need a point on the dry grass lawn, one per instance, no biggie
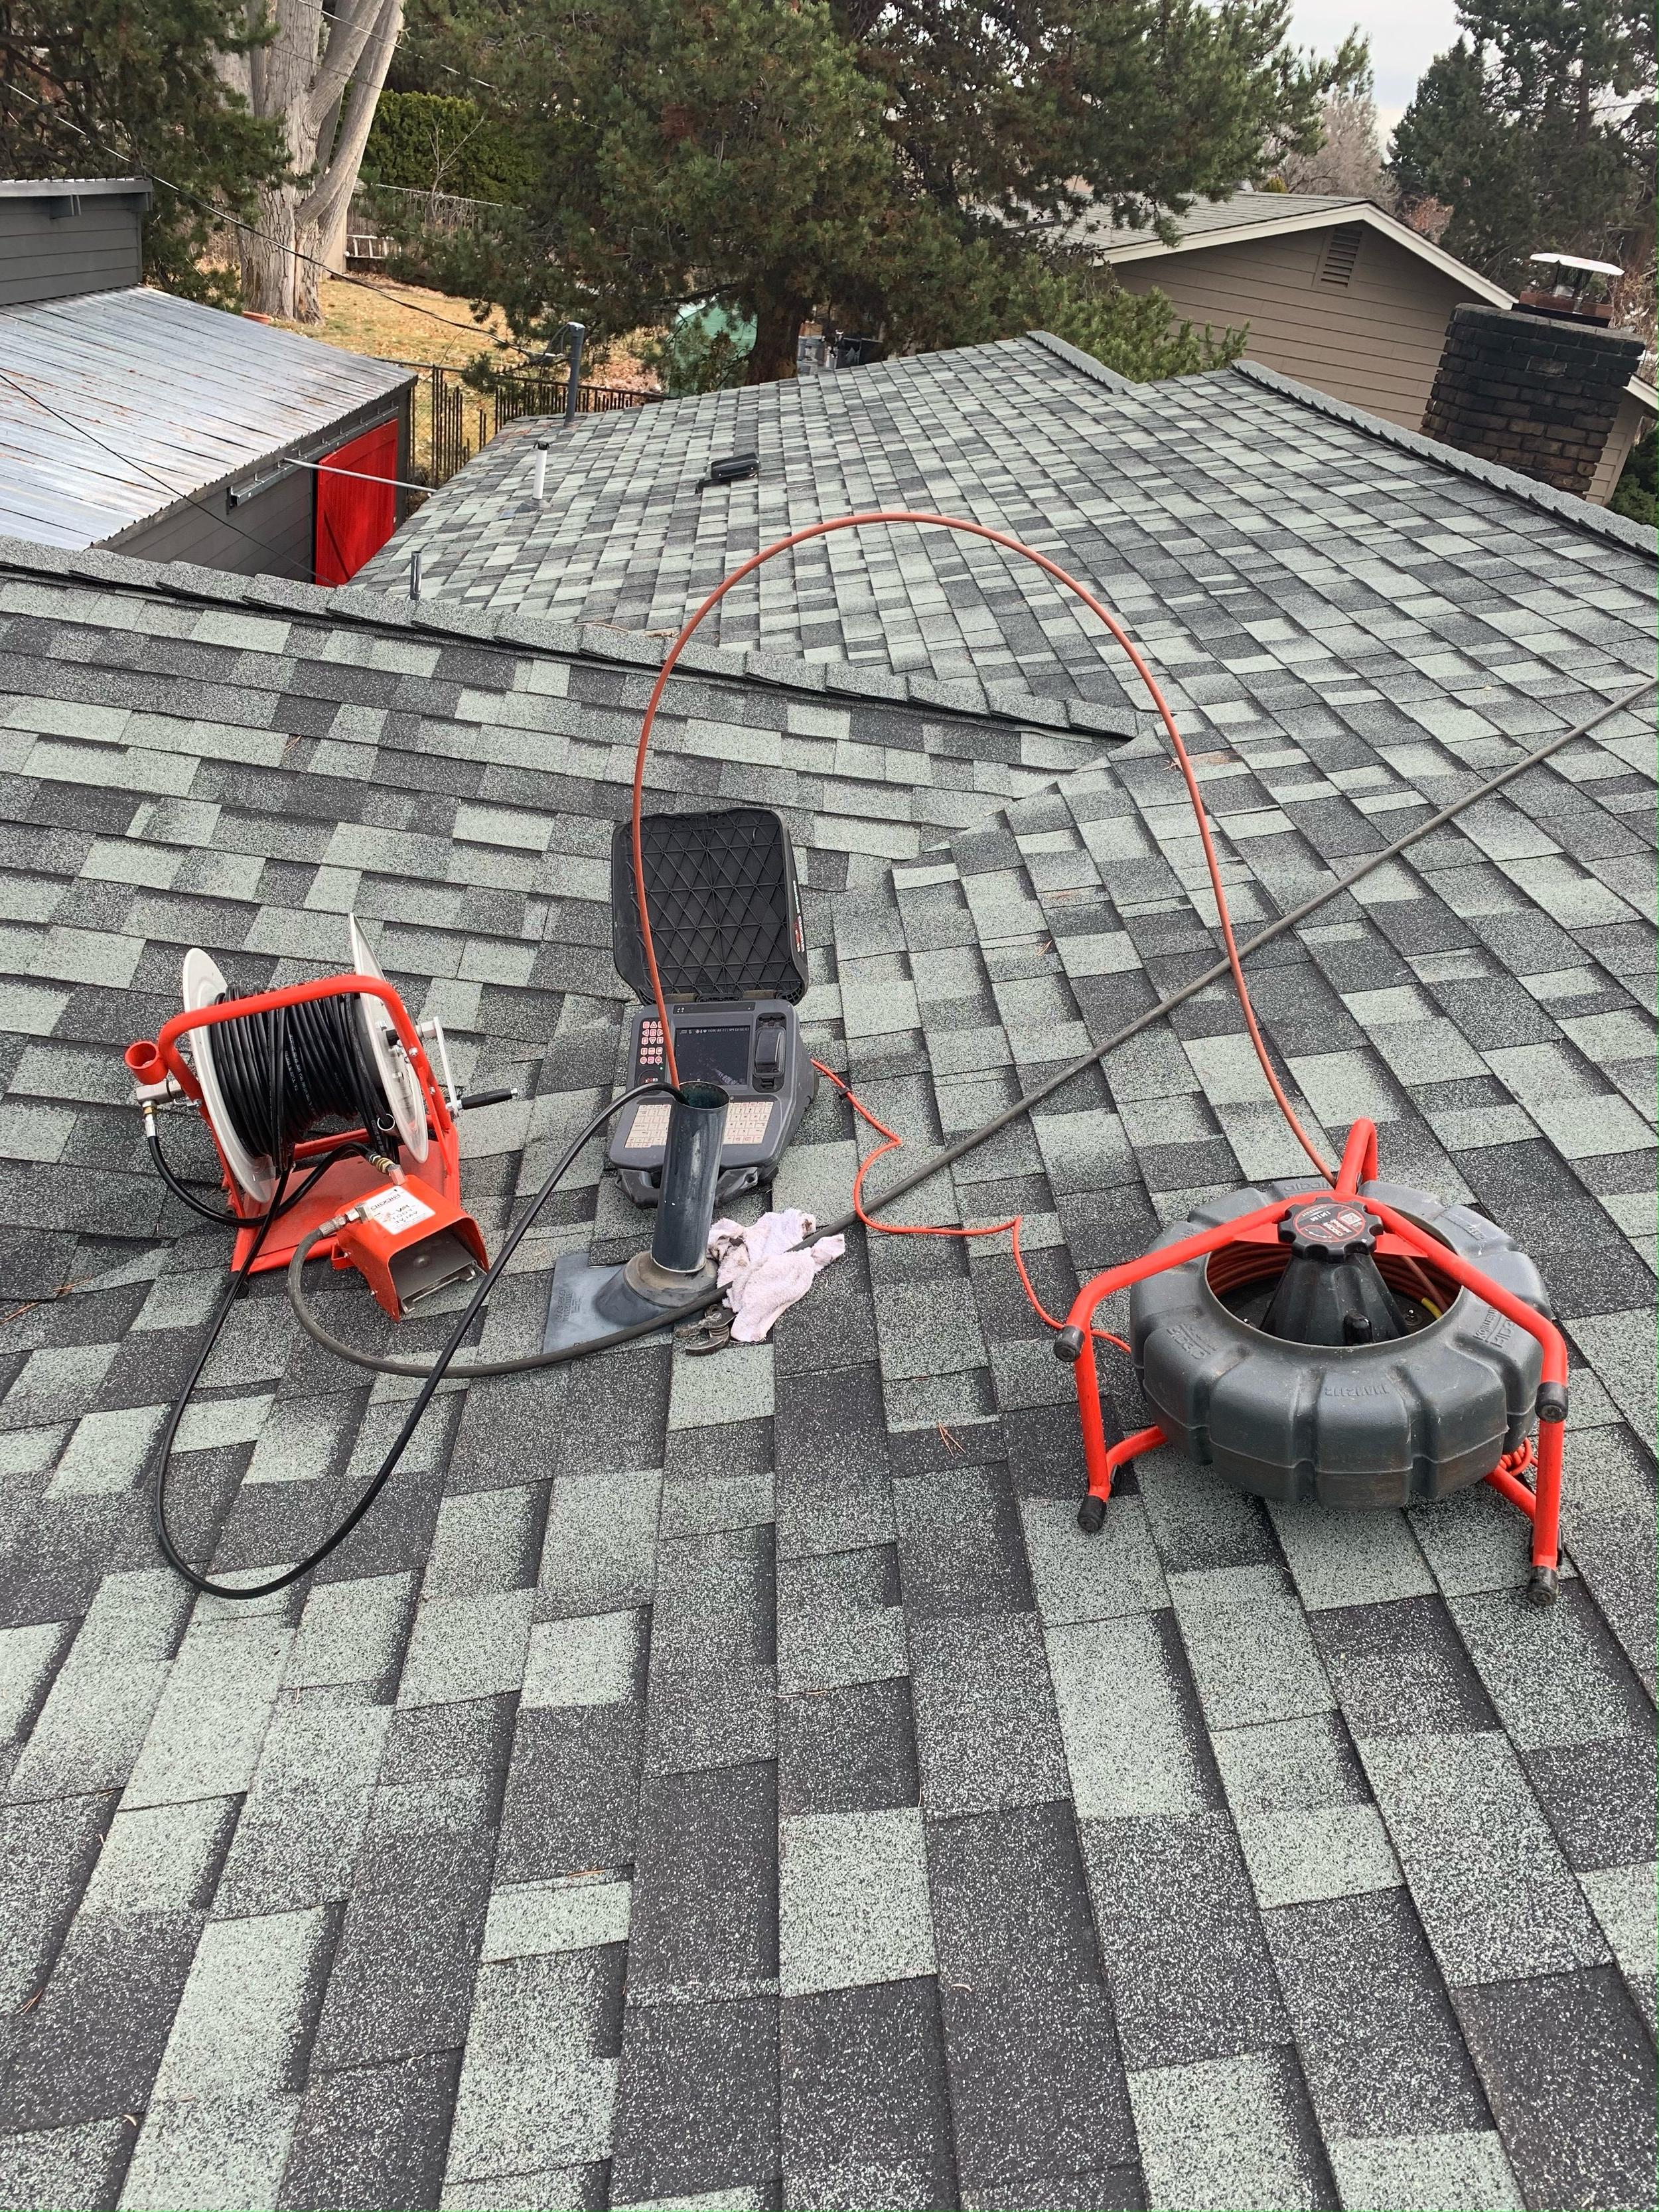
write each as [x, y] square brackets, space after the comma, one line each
[406, 322]
[409, 323]
[403, 322]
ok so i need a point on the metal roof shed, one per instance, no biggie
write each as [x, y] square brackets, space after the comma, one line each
[131, 418]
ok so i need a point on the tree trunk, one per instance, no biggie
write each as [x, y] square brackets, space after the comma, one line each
[267, 252]
[332, 238]
[778, 318]
[301, 77]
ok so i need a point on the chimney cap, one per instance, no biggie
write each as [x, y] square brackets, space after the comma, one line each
[1576, 261]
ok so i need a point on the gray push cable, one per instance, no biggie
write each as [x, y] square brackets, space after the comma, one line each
[1096, 1053]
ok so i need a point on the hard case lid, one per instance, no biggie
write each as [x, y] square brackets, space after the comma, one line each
[725, 907]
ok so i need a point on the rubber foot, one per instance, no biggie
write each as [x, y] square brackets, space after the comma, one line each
[1092, 1516]
[1543, 1587]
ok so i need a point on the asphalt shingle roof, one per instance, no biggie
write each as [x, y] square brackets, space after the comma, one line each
[735, 1782]
[1231, 519]
[1214, 221]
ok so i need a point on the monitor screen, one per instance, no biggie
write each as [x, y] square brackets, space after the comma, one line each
[710, 1055]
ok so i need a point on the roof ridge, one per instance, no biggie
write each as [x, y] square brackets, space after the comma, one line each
[355, 607]
[1562, 505]
[1085, 363]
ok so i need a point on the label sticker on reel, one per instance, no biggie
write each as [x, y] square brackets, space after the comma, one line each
[395, 1209]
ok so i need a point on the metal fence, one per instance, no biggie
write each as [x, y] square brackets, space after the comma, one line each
[454, 419]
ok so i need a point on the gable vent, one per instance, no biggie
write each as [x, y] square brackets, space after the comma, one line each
[1341, 252]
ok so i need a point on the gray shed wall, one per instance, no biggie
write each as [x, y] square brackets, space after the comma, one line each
[273, 533]
[43, 257]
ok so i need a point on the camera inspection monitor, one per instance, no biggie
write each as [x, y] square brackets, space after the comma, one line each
[726, 925]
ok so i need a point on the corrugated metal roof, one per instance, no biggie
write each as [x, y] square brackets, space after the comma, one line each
[46, 188]
[188, 395]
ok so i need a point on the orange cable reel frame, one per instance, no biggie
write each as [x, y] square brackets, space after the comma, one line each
[376, 1246]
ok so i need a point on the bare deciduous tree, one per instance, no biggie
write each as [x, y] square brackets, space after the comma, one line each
[320, 76]
[1349, 156]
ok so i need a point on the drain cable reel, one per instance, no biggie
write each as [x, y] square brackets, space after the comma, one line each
[1254, 1329]
[265, 1072]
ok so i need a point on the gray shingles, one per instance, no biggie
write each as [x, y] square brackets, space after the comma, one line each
[1180, 1940]
[1252, 1656]
[1558, 1679]
[1133, 1736]
[1379, 2042]
[1466, 2171]
[538, 2079]
[242, 2021]
[1229, 2134]
[895, 2090]
[1495, 1894]
[1570, 2073]
[986, 1733]
[852, 1901]
[219, 2149]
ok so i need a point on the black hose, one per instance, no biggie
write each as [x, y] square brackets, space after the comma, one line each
[283, 1070]
[434, 1375]
[169, 1435]
[187, 1196]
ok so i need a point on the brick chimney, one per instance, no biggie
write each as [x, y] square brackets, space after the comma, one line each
[1532, 388]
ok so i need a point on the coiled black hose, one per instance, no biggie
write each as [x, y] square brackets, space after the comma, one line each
[282, 1072]
[435, 1375]
[286, 1070]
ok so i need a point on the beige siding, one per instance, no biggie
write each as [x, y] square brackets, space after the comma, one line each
[1375, 342]
[1628, 425]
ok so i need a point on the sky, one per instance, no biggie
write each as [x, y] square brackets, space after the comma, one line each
[1406, 35]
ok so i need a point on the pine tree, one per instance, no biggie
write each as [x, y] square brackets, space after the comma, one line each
[906, 165]
[1537, 129]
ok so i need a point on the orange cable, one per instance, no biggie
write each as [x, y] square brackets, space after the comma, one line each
[895, 1143]
[892, 1140]
[887, 516]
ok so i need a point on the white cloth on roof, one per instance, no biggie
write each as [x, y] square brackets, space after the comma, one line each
[765, 1269]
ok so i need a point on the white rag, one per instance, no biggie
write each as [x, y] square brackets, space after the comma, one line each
[765, 1269]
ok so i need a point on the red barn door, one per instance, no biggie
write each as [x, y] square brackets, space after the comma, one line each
[354, 518]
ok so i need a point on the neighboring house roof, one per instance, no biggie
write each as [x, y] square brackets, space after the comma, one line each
[699, 1772]
[1249, 216]
[181, 400]
[84, 188]
[1148, 491]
